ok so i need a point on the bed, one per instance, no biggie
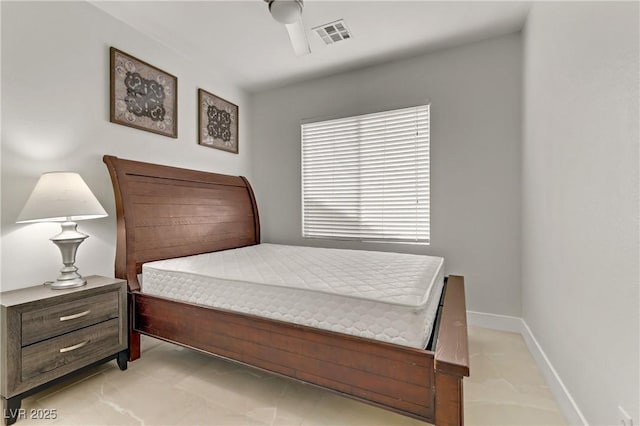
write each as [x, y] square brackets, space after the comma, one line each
[166, 215]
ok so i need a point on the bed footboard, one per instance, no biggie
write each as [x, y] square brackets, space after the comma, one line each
[452, 355]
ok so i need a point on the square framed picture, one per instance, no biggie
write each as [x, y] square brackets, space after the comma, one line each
[217, 122]
[143, 96]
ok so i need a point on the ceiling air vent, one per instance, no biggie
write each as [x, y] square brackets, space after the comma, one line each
[333, 32]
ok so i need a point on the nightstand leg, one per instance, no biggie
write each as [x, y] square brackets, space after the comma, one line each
[123, 357]
[11, 409]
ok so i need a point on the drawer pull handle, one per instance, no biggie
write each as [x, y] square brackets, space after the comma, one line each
[74, 347]
[74, 316]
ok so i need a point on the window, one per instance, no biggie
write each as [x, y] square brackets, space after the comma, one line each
[366, 178]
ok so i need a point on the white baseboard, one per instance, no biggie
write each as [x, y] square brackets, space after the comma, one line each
[567, 404]
[517, 325]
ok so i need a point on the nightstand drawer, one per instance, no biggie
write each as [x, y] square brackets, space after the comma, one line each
[56, 320]
[43, 357]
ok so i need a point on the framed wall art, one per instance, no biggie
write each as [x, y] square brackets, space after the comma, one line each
[143, 96]
[217, 122]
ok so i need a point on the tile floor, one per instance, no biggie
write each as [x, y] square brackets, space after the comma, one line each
[170, 385]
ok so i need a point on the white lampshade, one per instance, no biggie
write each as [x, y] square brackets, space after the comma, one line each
[61, 196]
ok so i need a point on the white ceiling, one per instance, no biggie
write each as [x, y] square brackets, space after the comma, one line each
[245, 45]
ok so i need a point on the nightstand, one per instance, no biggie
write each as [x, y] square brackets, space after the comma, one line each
[48, 335]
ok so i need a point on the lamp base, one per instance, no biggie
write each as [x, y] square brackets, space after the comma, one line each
[68, 241]
[63, 285]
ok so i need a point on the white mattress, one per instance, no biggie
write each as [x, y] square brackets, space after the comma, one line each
[389, 297]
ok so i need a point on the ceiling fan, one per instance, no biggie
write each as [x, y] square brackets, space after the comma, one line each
[289, 13]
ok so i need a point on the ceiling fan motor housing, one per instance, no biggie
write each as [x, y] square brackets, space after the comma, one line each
[286, 11]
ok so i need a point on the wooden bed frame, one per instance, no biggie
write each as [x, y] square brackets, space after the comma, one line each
[166, 212]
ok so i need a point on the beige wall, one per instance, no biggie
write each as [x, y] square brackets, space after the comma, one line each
[475, 95]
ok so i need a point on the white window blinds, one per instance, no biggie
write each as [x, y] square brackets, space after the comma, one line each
[367, 177]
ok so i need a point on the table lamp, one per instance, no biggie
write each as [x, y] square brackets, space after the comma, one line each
[63, 197]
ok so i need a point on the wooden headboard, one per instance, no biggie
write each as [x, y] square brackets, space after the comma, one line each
[165, 212]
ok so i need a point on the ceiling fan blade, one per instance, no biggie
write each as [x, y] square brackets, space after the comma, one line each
[298, 38]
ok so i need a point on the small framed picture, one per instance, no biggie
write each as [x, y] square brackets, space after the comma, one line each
[143, 96]
[217, 122]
